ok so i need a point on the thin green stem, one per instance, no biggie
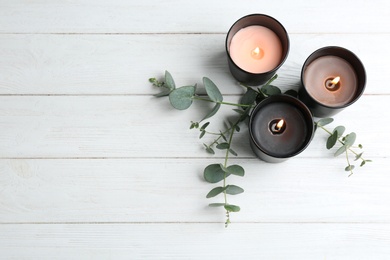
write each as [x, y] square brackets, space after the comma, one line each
[349, 164]
[330, 133]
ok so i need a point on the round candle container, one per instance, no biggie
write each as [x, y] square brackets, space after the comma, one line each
[280, 127]
[332, 79]
[256, 46]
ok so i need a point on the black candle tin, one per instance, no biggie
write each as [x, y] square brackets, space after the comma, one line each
[300, 126]
[246, 77]
[322, 110]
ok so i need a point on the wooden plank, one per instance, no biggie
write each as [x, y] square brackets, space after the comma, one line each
[122, 64]
[91, 16]
[196, 241]
[143, 126]
[173, 190]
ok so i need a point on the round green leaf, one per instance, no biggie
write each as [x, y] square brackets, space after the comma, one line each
[212, 111]
[349, 168]
[232, 208]
[236, 170]
[213, 173]
[350, 139]
[341, 150]
[270, 90]
[234, 190]
[340, 130]
[324, 121]
[332, 140]
[169, 82]
[249, 97]
[216, 204]
[292, 93]
[214, 192]
[212, 90]
[181, 98]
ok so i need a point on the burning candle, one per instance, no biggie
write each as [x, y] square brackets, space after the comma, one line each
[256, 46]
[280, 127]
[256, 49]
[332, 79]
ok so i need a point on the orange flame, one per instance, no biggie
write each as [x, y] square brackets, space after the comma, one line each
[335, 80]
[280, 124]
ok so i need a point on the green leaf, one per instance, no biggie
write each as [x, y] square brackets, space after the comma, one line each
[214, 192]
[236, 170]
[270, 90]
[216, 204]
[181, 98]
[238, 128]
[360, 146]
[232, 208]
[223, 146]
[332, 140]
[170, 83]
[202, 133]
[203, 127]
[163, 93]
[271, 79]
[350, 139]
[324, 121]
[363, 163]
[233, 152]
[292, 93]
[212, 90]
[358, 156]
[239, 111]
[340, 130]
[212, 112]
[209, 149]
[194, 125]
[249, 97]
[349, 168]
[234, 190]
[213, 173]
[341, 150]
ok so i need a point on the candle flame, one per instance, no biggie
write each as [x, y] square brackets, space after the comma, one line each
[280, 124]
[256, 51]
[335, 80]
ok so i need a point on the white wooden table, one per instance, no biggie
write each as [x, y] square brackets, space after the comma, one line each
[92, 166]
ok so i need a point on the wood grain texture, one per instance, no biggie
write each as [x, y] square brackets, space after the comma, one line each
[173, 190]
[122, 64]
[197, 241]
[93, 167]
[150, 16]
[144, 126]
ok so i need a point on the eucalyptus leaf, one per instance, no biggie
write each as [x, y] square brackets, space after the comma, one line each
[332, 140]
[340, 130]
[363, 163]
[236, 170]
[209, 149]
[233, 152]
[350, 139]
[203, 127]
[249, 97]
[341, 150]
[349, 168]
[169, 82]
[213, 111]
[358, 156]
[271, 79]
[216, 204]
[324, 121]
[163, 93]
[223, 146]
[239, 111]
[181, 98]
[213, 173]
[232, 208]
[270, 90]
[234, 190]
[212, 90]
[292, 93]
[214, 192]
[202, 133]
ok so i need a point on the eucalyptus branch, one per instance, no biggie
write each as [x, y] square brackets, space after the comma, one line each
[346, 142]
